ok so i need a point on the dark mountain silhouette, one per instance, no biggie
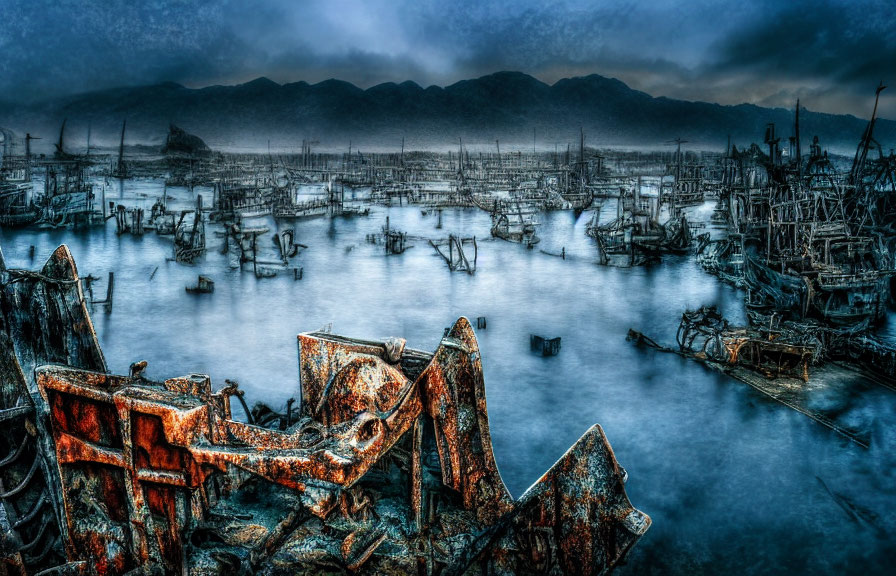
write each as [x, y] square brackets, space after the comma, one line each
[506, 106]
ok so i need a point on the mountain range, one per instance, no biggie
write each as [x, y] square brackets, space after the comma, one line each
[512, 107]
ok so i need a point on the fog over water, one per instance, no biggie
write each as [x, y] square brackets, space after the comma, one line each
[734, 482]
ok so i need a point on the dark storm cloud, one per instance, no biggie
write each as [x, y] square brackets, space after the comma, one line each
[52, 47]
[815, 39]
[833, 54]
[830, 54]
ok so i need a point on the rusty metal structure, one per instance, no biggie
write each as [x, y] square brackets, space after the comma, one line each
[386, 468]
[773, 352]
[773, 357]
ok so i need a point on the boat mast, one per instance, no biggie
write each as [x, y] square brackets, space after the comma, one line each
[121, 146]
[60, 150]
[867, 139]
[799, 154]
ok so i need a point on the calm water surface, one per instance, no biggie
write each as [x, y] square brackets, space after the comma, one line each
[735, 483]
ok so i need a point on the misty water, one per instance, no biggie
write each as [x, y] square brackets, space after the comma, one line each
[734, 482]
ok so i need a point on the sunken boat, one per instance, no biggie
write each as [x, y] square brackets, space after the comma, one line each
[515, 224]
[635, 237]
[386, 467]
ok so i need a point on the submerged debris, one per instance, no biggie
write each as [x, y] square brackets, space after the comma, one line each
[774, 357]
[394, 241]
[771, 352]
[204, 285]
[456, 257]
[544, 346]
[515, 224]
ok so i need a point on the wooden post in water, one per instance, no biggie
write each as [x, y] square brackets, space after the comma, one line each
[109, 290]
[475, 252]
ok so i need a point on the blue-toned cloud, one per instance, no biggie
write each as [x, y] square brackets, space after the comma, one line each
[829, 53]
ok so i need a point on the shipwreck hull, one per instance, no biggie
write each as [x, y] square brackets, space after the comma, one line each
[43, 319]
[839, 300]
[19, 219]
[851, 300]
[387, 469]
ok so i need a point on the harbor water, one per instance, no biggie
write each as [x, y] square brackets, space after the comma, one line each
[735, 483]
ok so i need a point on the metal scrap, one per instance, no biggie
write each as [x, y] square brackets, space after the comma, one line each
[386, 467]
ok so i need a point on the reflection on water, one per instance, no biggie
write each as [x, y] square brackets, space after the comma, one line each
[735, 482]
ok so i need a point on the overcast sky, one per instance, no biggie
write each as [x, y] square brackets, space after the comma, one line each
[831, 54]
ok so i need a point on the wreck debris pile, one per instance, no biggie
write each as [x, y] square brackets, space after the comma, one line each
[773, 353]
[386, 467]
[774, 357]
